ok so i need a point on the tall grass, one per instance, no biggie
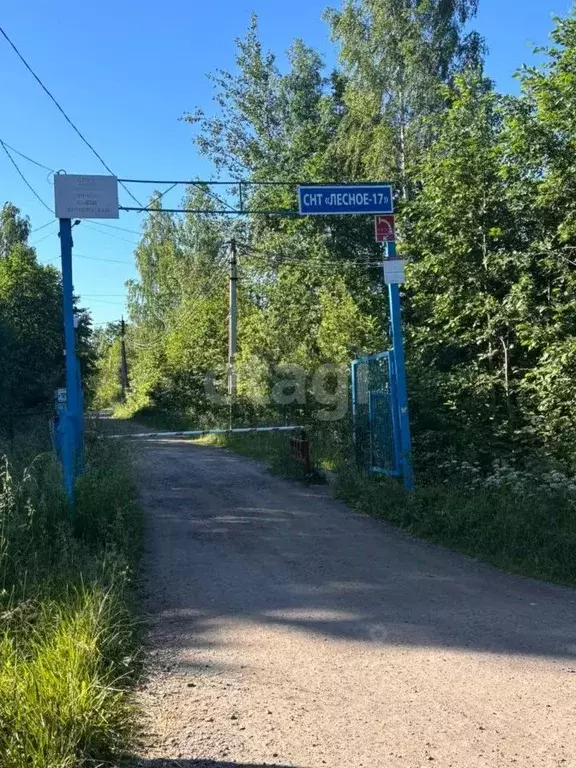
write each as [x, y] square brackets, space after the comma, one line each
[273, 448]
[67, 641]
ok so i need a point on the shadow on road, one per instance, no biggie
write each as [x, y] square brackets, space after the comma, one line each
[227, 541]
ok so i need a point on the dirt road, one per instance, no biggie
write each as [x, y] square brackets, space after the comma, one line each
[286, 630]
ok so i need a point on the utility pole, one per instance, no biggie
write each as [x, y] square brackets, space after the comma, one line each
[399, 362]
[233, 317]
[72, 416]
[123, 360]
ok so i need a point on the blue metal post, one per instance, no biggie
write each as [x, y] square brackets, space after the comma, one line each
[402, 390]
[395, 416]
[79, 422]
[354, 403]
[72, 415]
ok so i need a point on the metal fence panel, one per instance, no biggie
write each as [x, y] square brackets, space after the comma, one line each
[375, 413]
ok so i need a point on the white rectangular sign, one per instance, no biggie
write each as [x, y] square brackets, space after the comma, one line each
[394, 271]
[85, 197]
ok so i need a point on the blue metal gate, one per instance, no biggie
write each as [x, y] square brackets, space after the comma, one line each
[375, 414]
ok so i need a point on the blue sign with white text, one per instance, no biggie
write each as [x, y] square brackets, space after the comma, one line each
[342, 199]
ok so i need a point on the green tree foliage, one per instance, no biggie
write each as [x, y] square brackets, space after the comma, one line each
[177, 307]
[465, 241]
[492, 309]
[394, 54]
[106, 377]
[31, 336]
[486, 218]
[267, 121]
[293, 274]
[541, 146]
[31, 360]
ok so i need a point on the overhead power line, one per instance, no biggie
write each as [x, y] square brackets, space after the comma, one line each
[102, 258]
[113, 226]
[320, 263]
[24, 179]
[211, 194]
[101, 301]
[44, 237]
[161, 195]
[61, 110]
[30, 160]
[94, 258]
[52, 170]
[37, 229]
[93, 225]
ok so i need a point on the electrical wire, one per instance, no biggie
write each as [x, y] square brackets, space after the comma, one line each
[101, 224]
[261, 251]
[183, 317]
[49, 234]
[102, 301]
[93, 226]
[160, 196]
[24, 179]
[95, 258]
[61, 110]
[30, 160]
[114, 226]
[320, 264]
[211, 194]
[324, 263]
[43, 226]
[102, 258]
[201, 185]
[148, 208]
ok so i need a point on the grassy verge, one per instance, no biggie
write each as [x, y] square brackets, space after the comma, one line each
[67, 640]
[272, 448]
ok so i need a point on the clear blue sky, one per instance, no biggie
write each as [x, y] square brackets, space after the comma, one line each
[126, 72]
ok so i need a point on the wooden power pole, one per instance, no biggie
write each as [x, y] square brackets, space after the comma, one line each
[233, 320]
[123, 360]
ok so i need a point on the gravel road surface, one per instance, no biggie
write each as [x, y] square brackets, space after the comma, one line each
[286, 630]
